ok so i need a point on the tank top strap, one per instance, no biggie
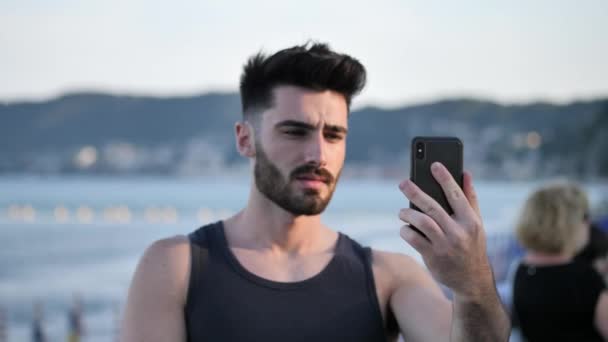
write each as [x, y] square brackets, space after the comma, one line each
[200, 242]
[365, 256]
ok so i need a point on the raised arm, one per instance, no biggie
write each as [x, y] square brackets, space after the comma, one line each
[155, 305]
[454, 251]
[420, 307]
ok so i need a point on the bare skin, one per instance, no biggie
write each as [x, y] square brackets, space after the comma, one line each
[309, 127]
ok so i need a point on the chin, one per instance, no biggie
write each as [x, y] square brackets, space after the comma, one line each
[309, 206]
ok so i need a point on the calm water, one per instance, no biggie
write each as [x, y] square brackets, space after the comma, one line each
[59, 236]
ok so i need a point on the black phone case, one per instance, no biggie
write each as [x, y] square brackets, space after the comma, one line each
[446, 150]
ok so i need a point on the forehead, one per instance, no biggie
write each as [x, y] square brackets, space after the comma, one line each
[311, 106]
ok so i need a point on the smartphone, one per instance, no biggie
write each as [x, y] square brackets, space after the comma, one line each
[426, 151]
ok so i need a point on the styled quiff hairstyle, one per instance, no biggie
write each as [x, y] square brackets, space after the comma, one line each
[311, 66]
[551, 218]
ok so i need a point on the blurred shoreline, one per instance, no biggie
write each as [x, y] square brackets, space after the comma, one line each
[62, 235]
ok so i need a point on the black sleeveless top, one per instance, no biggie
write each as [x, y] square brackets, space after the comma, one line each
[228, 303]
[557, 303]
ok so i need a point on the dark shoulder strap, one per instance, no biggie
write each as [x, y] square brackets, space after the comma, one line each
[366, 256]
[391, 326]
[199, 257]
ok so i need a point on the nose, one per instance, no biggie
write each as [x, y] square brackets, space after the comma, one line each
[316, 150]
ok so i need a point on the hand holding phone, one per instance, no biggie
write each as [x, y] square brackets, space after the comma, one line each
[444, 222]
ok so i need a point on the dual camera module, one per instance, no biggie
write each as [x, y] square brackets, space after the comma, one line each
[419, 150]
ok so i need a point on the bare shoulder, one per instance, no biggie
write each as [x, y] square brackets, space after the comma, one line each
[165, 265]
[171, 247]
[397, 268]
[157, 295]
[391, 259]
[406, 287]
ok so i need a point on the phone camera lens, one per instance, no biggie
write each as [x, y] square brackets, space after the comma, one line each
[420, 150]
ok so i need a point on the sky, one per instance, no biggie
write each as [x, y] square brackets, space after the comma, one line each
[415, 51]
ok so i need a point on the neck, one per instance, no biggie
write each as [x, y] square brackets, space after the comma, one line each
[264, 225]
[539, 258]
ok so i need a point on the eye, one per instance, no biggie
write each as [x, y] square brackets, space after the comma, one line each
[295, 132]
[334, 136]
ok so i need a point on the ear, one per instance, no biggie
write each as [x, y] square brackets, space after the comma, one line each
[245, 139]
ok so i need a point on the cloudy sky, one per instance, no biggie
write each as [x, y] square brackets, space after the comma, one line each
[509, 51]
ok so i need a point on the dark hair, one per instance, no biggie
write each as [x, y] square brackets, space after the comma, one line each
[316, 67]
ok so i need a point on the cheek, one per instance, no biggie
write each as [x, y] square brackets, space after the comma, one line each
[339, 153]
[282, 157]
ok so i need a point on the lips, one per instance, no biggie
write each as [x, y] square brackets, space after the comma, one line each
[312, 174]
[312, 178]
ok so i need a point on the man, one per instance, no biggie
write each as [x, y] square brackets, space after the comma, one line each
[75, 321]
[3, 325]
[275, 272]
[38, 332]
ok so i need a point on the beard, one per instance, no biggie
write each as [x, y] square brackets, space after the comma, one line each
[281, 190]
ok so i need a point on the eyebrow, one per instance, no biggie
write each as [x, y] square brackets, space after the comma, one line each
[304, 125]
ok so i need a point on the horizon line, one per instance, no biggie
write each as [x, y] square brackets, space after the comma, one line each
[358, 104]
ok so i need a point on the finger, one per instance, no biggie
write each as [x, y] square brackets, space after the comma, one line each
[425, 203]
[423, 223]
[419, 242]
[469, 192]
[451, 189]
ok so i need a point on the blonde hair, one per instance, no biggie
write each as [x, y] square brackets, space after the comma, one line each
[552, 217]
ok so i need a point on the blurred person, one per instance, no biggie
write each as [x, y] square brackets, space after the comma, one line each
[75, 320]
[38, 333]
[275, 272]
[595, 251]
[3, 325]
[554, 297]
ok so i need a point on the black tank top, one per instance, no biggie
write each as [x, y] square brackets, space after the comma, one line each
[228, 303]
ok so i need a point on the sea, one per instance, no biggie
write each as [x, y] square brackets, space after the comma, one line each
[62, 237]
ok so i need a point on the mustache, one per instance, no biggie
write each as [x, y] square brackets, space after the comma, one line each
[312, 170]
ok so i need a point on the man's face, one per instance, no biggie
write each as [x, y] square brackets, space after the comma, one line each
[300, 148]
